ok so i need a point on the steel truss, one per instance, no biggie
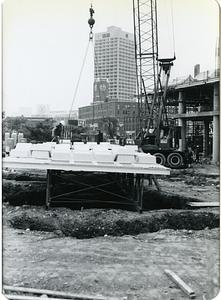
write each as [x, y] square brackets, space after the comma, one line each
[128, 188]
[146, 53]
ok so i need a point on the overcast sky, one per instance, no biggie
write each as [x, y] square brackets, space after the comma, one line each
[44, 42]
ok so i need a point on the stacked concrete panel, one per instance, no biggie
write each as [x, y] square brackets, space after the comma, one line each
[20, 136]
[104, 153]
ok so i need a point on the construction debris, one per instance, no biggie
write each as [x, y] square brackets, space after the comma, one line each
[23, 297]
[203, 204]
[62, 295]
[184, 287]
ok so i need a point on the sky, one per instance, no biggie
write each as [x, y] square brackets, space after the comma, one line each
[44, 42]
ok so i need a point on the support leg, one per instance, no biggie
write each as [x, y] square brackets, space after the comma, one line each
[150, 180]
[156, 183]
[141, 192]
[48, 189]
[138, 192]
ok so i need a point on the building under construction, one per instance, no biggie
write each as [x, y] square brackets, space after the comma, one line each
[194, 105]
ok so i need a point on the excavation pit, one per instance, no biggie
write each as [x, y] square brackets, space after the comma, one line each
[18, 193]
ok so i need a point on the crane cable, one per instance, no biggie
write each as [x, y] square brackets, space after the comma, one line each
[91, 22]
[172, 20]
[79, 78]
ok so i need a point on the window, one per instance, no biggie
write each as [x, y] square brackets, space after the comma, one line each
[105, 35]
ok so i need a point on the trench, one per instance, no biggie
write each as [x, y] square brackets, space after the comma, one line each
[91, 223]
[24, 208]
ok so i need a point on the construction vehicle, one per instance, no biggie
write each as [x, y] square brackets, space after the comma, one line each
[157, 134]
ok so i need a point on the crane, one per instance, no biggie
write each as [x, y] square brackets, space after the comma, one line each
[155, 130]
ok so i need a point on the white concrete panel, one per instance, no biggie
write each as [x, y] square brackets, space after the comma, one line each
[79, 155]
[101, 156]
[126, 158]
[60, 156]
[20, 153]
[143, 158]
[40, 154]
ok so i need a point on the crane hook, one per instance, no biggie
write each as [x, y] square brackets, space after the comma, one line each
[91, 22]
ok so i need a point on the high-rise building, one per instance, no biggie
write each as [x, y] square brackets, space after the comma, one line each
[114, 60]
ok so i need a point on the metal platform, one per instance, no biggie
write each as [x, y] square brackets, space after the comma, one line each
[119, 166]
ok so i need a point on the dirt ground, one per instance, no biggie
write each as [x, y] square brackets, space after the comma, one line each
[127, 263]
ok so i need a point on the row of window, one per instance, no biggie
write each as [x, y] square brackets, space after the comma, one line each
[115, 45]
[102, 41]
[125, 41]
[108, 69]
[124, 78]
[107, 47]
[125, 112]
[123, 58]
[109, 50]
[127, 73]
[110, 112]
[114, 50]
[108, 35]
[106, 57]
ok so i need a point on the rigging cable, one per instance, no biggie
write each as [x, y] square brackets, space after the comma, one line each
[172, 20]
[91, 23]
[79, 78]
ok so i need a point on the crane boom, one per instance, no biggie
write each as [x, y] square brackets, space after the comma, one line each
[155, 134]
[146, 54]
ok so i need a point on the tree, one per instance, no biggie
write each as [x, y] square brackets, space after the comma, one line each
[40, 131]
[109, 126]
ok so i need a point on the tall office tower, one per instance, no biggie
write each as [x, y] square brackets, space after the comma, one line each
[114, 61]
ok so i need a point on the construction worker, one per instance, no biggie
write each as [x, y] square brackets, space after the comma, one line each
[141, 135]
[99, 137]
[57, 132]
[197, 154]
[189, 156]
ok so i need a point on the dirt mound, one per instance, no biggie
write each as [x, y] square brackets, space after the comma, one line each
[23, 175]
[100, 222]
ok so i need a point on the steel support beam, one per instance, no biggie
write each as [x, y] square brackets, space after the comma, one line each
[215, 157]
[182, 123]
[129, 193]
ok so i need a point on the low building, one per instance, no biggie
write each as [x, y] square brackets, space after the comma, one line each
[63, 115]
[126, 114]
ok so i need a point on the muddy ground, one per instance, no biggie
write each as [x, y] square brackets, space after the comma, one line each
[110, 251]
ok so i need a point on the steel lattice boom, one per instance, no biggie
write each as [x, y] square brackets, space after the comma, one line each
[146, 53]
